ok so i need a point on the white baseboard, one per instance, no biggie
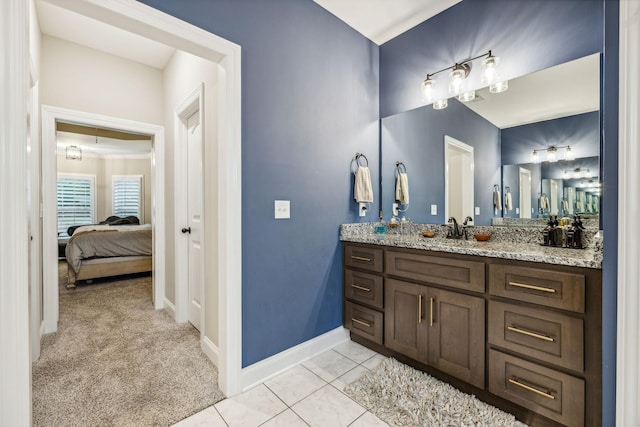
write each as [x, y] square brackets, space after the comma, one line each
[268, 368]
[210, 350]
[48, 327]
[171, 309]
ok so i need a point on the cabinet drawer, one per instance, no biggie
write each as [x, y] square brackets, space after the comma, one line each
[550, 288]
[456, 273]
[363, 257]
[550, 393]
[364, 288]
[363, 321]
[542, 334]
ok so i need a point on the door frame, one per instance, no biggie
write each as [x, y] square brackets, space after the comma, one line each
[50, 116]
[523, 171]
[148, 22]
[468, 149]
[192, 103]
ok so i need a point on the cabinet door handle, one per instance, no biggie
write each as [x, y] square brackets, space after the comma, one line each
[360, 258]
[430, 311]
[533, 287]
[546, 394]
[361, 322]
[514, 328]
[362, 288]
[419, 308]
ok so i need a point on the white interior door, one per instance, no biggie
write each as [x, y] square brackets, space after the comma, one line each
[553, 196]
[459, 179]
[525, 193]
[194, 207]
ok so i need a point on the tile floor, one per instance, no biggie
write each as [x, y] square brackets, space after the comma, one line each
[309, 394]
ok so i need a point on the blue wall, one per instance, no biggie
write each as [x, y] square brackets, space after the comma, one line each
[416, 138]
[581, 132]
[528, 35]
[309, 103]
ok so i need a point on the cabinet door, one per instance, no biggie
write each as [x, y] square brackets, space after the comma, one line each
[405, 327]
[456, 334]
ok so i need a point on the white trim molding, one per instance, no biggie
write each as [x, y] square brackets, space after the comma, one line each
[50, 115]
[628, 337]
[268, 368]
[210, 350]
[15, 353]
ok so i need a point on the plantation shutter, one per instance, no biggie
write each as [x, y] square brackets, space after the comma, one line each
[76, 201]
[127, 196]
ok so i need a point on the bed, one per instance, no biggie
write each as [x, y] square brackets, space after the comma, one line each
[97, 251]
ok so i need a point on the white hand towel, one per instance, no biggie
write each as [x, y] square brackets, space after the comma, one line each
[362, 190]
[508, 202]
[497, 201]
[402, 188]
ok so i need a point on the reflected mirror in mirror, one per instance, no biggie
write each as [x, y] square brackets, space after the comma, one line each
[555, 107]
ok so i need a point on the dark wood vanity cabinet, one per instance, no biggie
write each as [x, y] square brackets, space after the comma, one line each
[520, 332]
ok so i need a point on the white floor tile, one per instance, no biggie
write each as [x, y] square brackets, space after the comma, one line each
[353, 375]
[286, 419]
[354, 351]
[250, 408]
[295, 384]
[374, 361]
[330, 365]
[328, 407]
[369, 420]
[208, 417]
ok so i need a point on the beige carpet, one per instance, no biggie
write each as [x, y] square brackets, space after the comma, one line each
[115, 361]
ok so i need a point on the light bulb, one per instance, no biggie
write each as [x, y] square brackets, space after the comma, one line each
[568, 154]
[427, 90]
[457, 79]
[440, 104]
[499, 86]
[490, 73]
[551, 154]
[534, 157]
[576, 173]
[467, 96]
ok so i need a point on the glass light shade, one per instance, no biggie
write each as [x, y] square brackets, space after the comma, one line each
[457, 79]
[490, 73]
[440, 104]
[565, 174]
[576, 173]
[467, 96]
[499, 87]
[427, 90]
[535, 158]
[73, 153]
[568, 154]
[551, 154]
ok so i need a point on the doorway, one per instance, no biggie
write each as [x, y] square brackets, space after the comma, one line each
[525, 193]
[458, 180]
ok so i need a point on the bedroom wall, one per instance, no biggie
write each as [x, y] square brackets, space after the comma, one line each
[104, 169]
[88, 80]
[182, 75]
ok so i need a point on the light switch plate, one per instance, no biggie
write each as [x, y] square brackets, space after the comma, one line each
[434, 209]
[477, 210]
[362, 209]
[282, 209]
[517, 211]
[394, 209]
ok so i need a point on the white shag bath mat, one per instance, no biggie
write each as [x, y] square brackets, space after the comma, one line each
[403, 396]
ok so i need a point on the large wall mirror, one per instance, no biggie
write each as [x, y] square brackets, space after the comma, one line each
[550, 109]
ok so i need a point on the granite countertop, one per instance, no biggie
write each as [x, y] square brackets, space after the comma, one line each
[500, 247]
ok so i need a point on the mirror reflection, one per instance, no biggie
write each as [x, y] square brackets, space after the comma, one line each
[550, 110]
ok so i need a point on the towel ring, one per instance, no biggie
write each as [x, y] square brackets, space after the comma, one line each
[358, 156]
[496, 187]
[400, 168]
[507, 189]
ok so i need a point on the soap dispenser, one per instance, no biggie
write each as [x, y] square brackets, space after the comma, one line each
[577, 233]
[548, 233]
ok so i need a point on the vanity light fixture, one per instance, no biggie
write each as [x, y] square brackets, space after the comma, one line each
[73, 152]
[552, 154]
[577, 173]
[458, 80]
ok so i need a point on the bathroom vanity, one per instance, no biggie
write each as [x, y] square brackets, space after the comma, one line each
[516, 324]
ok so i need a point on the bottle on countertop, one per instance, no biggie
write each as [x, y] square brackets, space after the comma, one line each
[548, 233]
[577, 233]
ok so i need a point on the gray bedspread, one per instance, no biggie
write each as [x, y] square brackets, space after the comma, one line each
[104, 244]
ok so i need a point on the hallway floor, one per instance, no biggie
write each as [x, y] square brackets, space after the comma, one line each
[309, 394]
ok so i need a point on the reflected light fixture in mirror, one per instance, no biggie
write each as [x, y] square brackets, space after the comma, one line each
[552, 154]
[458, 79]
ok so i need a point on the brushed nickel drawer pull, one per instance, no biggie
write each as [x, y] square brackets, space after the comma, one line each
[362, 288]
[514, 328]
[533, 389]
[360, 258]
[535, 288]
[419, 308]
[430, 311]
[363, 323]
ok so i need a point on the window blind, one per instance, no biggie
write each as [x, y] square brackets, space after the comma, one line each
[127, 196]
[76, 201]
